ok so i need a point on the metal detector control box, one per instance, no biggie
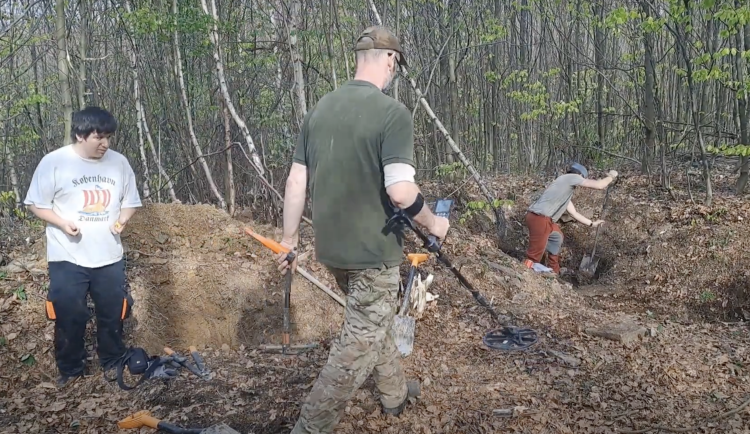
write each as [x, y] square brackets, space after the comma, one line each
[443, 207]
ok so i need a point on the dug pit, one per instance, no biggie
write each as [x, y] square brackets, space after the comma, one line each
[197, 279]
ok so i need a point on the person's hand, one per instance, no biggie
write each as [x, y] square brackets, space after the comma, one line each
[597, 223]
[281, 257]
[70, 228]
[440, 226]
[612, 174]
[117, 228]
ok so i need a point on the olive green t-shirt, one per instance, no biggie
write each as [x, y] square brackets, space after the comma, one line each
[345, 141]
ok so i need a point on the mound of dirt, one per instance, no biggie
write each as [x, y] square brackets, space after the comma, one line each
[197, 279]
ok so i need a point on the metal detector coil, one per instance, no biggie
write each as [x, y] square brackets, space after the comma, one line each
[506, 338]
[510, 338]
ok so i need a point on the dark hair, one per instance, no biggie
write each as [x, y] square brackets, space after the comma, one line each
[92, 119]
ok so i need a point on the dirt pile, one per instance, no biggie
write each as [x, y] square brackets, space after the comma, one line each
[197, 279]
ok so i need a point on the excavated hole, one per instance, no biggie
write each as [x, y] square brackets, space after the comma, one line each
[729, 301]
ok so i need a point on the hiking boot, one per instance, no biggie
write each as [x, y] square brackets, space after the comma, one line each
[413, 391]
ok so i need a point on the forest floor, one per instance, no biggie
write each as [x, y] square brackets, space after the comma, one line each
[675, 272]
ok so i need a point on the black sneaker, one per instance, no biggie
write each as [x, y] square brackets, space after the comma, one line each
[64, 380]
[413, 391]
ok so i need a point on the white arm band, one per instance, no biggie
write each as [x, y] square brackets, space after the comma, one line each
[398, 172]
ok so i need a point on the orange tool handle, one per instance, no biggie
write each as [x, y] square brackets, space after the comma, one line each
[271, 244]
[417, 258]
[138, 420]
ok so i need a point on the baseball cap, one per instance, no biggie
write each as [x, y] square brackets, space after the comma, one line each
[580, 169]
[380, 37]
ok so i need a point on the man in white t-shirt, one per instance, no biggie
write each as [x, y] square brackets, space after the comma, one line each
[86, 193]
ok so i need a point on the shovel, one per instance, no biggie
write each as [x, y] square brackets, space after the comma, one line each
[144, 418]
[590, 262]
[286, 348]
[403, 326]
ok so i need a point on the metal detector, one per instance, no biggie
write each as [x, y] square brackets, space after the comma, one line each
[505, 338]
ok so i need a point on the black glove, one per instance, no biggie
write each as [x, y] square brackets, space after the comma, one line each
[164, 372]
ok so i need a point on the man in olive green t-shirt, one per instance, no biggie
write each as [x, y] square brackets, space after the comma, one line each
[355, 154]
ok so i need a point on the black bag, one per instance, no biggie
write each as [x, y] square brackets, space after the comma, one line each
[137, 360]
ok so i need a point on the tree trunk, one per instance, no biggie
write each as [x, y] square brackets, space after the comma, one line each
[599, 64]
[328, 29]
[62, 68]
[229, 185]
[740, 66]
[214, 36]
[299, 78]
[143, 129]
[398, 34]
[82, 50]
[682, 40]
[649, 99]
[186, 106]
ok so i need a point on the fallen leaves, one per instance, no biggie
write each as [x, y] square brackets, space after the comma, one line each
[681, 374]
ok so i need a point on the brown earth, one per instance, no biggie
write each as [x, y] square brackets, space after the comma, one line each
[198, 279]
[685, 368]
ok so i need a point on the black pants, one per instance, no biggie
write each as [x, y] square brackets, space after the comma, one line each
[66, 305]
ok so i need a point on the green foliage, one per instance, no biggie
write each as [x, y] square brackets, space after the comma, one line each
[619, 17]
[20, 293]
[495, 31]
[733, 19]
[8, 203]
[480, 206]
[729, 150]
[453, 170]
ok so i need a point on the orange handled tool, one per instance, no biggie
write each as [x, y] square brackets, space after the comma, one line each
[417, 258]
[271, 244]
[144, 418]
[278, 248]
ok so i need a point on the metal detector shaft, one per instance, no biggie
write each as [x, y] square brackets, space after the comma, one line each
[508, 338]
[432, 245]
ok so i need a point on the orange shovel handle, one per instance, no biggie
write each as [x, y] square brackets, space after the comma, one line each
[138, 420]
[417, 258]
[271, 244]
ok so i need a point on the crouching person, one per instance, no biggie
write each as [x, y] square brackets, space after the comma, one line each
[543, 214]
[86, 193]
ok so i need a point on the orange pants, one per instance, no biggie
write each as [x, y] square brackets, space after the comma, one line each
[540, 228]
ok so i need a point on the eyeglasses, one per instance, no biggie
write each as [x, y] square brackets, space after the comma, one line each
[397, 56]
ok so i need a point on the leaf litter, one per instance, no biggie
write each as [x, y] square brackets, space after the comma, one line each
[660, 260]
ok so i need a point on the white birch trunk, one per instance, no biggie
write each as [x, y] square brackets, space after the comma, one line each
[214, 36]
[186, 105]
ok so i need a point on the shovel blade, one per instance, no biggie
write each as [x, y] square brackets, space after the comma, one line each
[589, 264]
[403, 334]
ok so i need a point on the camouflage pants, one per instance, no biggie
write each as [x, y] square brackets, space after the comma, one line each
[365, 345]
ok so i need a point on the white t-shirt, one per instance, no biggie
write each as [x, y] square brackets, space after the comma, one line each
[89, 193]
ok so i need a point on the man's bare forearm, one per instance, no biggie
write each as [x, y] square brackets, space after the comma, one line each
[294, 206]
[403, 195]
[48, 216]
[581, 219]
